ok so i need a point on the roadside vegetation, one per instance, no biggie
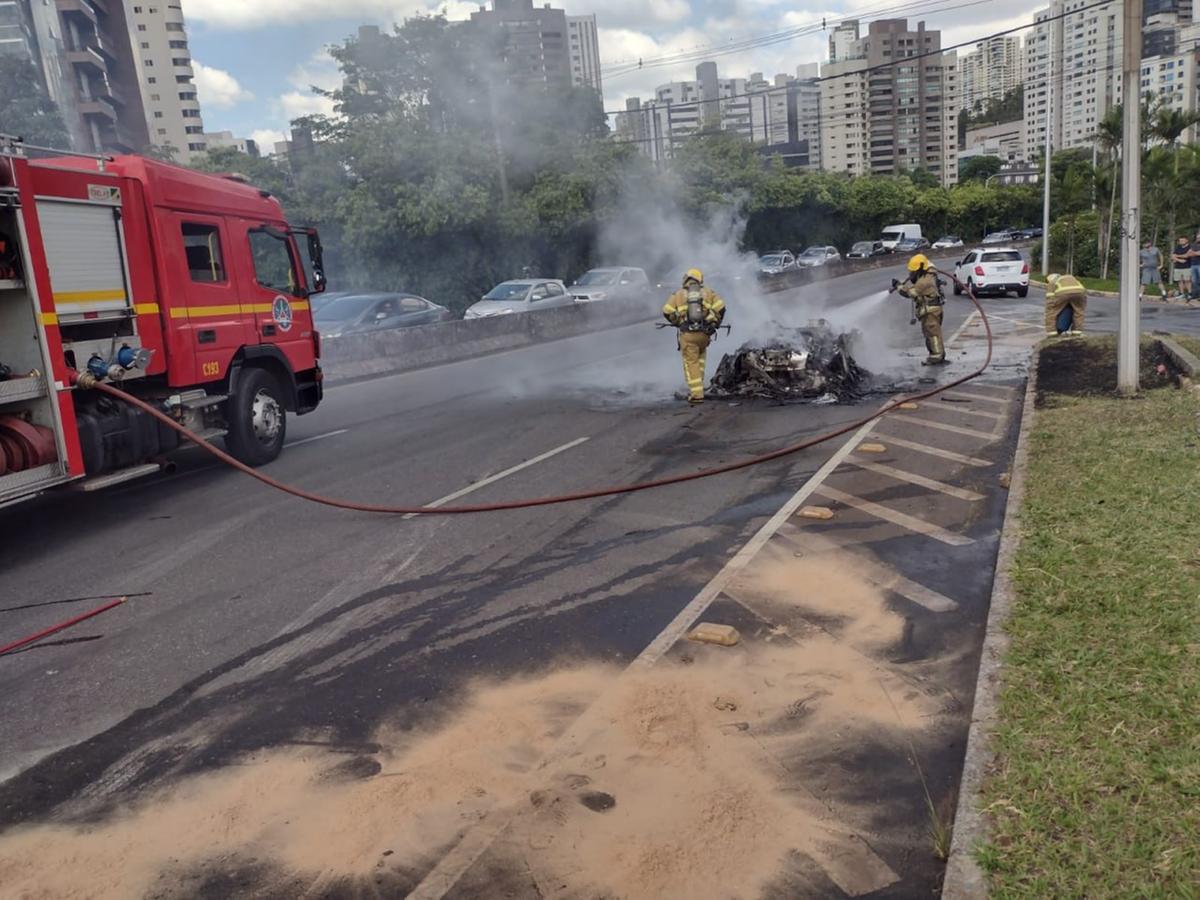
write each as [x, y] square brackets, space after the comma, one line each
[1097, 788]
[434, 177]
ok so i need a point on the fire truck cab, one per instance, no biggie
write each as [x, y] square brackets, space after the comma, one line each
[186, 289]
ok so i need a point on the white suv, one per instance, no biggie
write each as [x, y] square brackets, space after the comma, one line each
[996, 270]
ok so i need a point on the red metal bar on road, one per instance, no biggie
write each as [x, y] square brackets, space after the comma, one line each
[61, 626]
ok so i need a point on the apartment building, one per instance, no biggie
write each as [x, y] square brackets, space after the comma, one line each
[82, 53]
[990, 71]
[893, 105]
[220, 140]
[1072, 73]
[532, 41]
[583, 47]
[782, 112]
[842, 40]
[166, 76]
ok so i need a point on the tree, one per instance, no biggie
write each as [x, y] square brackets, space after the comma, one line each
[979, 168]
[1167, 125]
[25, 108]
[1070, 196]
[1108, 138]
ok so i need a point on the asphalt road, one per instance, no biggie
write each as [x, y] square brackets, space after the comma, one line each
[257, 619]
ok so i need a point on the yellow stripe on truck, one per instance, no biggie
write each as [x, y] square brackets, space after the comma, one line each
[48, 318]
[233, 309]
[146, 309]
[84, 298]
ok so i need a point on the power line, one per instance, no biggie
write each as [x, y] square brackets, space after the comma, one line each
[671, 139]
[901, 61]
[701, 52]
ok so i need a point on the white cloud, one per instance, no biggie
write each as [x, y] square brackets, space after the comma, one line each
[267, 138]
[240, 14]
[296, 104]
[217, 89]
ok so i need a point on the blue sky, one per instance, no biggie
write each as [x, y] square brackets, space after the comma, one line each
[257, 58]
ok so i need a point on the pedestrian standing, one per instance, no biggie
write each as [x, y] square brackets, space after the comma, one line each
[697, 312]
[1194, 260]
[1181, 267]
[1150, 261]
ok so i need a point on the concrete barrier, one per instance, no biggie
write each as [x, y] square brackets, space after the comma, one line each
[405, 349]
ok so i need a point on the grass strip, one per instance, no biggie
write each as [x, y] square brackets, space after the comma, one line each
[1097, 789]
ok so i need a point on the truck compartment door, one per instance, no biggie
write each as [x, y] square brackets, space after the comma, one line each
[86, 260]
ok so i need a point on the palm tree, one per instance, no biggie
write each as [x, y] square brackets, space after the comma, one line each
[1074, 191]
[1108, 138]
[1167, 126]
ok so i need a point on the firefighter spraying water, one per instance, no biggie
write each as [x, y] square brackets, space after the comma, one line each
[924, 290]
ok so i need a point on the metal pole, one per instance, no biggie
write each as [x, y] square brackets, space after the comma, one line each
[1049, 150]
[1131, 175]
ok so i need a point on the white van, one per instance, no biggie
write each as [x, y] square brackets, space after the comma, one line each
[893, 234]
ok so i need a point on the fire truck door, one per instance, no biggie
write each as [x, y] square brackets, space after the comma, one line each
[279, 297]
[86, 259]
[205, 307]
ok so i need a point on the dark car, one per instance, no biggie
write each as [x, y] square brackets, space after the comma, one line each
[867, 249]
[1027, 234]
[912, 245]
[360, 313]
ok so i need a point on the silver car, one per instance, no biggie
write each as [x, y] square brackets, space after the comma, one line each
[521, 296]
[610, 284]
[818, 256]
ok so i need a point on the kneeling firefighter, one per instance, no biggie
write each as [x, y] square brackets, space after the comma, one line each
[697, 312]
[921, 287]
[1066, 303]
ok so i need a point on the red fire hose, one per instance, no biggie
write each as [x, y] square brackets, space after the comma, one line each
[61, 626]
[590, 494]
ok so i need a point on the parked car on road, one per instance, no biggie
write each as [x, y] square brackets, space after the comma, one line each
[893, 234]
[376, 311]
[776, 263]
[1028, 234]
[818, 256]
[993, 271]
[610, 284]
[520, 296]
[912, 245]
[867, 249]
[944, 243]
[998, 237]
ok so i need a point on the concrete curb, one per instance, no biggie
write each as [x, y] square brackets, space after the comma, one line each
[1186, 361]
[964, 879]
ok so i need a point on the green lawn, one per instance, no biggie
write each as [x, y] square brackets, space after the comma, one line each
[1097, 788]
[1188, 343]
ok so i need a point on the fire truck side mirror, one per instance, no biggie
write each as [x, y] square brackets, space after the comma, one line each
[316, 277]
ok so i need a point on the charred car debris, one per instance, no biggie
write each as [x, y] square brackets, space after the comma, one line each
[813, 364]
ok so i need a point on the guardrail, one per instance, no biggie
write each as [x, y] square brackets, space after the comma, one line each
[405, 349]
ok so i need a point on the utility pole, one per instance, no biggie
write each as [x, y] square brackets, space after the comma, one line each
[1130, 329]
[1049, 147]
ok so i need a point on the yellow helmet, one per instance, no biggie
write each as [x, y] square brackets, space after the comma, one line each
[693, 275]
[918, 263]
[1052, 278]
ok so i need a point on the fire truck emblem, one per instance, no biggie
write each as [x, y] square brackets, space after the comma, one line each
[281, 312]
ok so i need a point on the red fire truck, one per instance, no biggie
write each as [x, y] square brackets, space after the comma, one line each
[186, 289]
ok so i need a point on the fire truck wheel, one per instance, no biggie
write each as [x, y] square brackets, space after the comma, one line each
[257, 419]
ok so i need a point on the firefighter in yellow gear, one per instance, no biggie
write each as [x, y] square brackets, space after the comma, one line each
[697, 312]
[921, 287]
[1066, 304]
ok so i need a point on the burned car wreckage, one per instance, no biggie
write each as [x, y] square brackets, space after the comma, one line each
[811, 364]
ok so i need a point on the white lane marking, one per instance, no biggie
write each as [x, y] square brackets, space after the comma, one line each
[983, 389]
[912, 523]
[977, 397]
[451, 867]
[975, 461]
[680, 624]
[874, 571]
[315, 437]
[967, 323]
[912, 478]
[956, 408]
[492, 479]
[940, 426]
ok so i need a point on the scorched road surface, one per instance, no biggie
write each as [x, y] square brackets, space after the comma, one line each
[260, 623]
